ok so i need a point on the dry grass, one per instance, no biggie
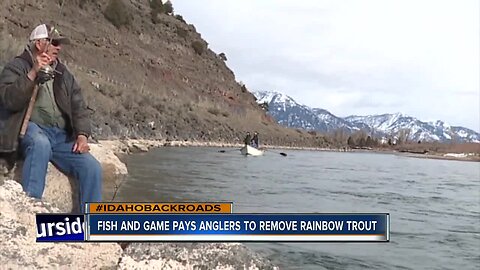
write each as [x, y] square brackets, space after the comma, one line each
[9, 47]
[442, 147]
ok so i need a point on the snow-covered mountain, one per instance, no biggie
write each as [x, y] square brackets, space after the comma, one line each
[289, 113]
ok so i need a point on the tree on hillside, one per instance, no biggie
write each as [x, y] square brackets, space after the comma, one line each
[117, 13]
[361, 142]
[339, 136]
[369, 142]
[180, 18]
[403, 135]
[351, 141]
[168, 8]
[223, 56]
[157, 5]
[264, 106]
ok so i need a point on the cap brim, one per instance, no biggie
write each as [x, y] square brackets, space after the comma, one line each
[63, 40]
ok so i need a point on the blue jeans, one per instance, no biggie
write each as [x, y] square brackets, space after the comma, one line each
[43, 144]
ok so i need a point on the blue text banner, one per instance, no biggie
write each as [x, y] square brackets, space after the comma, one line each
[238, 227]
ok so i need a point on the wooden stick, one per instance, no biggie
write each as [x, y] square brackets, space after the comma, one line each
[28, 114]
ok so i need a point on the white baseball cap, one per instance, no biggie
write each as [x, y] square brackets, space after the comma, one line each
[47, 31]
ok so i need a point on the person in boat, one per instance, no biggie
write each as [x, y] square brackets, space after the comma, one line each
[59, 126]
[255, 139]
[247, 139]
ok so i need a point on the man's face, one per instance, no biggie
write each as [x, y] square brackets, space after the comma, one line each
[52, 48]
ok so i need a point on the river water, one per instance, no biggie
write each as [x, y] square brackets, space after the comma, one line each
[434, 205]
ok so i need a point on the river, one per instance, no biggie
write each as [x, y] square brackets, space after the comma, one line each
[434, 205]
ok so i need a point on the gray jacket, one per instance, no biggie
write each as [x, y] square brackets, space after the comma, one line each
[15, 93]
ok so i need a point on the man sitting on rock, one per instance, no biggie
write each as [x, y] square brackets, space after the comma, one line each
[59, 125]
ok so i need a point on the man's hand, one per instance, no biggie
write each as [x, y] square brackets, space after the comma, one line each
[41, 60]
[81, 145]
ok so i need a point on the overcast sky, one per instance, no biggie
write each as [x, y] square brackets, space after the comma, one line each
[417, 57]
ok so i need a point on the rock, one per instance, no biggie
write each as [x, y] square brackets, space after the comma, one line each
[18, 249]
[114, 170]
[137, 147]
[61, 191]
[191, 256]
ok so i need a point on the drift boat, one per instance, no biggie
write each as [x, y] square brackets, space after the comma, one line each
[251, 151]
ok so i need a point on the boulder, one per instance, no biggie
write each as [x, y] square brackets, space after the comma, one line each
[61, 191]
[18, 249]
[191, 256]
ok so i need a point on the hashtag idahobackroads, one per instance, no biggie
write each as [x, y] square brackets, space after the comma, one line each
[160, 208]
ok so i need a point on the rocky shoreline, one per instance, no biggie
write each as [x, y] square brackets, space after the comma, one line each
[18, 249]
[448, 156]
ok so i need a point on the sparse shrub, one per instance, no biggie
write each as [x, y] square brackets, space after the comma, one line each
[264, 106]
[198, 47]
[154, 16]
[159, 106]
[180, 18]
[182, 32]
[81, 3]
[109, 91]
[351, 141]
[362, 142]
[117, 13]
[225, 114]
[223, 56]
[214, 111]
[168, 8]
[156, 8]
[129, 102]
[9, 48]
[244, 88]
[157, 5]
[119, 112]
[369, 142]
[189, 106]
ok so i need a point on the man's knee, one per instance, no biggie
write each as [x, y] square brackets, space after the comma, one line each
[37, 142]
[96, 166]
[91, 165]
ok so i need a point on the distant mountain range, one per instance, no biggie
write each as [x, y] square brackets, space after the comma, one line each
[289, 113]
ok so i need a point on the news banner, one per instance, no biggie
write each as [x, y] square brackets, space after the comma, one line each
[207, 222]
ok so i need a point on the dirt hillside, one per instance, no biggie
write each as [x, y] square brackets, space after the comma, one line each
[146, 79]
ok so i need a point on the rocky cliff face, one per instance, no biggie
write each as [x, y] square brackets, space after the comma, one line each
[145, 79]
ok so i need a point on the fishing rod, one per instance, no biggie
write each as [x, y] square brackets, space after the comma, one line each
[44, 74]
[117, 187]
